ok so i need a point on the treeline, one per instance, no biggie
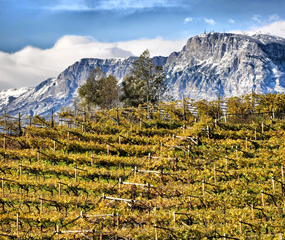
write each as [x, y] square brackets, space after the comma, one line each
[144, 84]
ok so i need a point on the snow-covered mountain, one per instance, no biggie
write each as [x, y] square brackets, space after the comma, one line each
[209, 65]
[227, 64]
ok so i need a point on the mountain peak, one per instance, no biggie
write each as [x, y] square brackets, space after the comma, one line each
[209, 65]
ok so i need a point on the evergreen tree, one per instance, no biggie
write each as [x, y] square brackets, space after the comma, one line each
[145, 84]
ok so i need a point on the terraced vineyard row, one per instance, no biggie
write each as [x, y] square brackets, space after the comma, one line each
[156, 180]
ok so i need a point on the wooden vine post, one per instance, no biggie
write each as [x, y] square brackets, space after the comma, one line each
[174, 220]
[75, 112]
[20, 165]
[92, 160]
[246, 145]
[20, 127]
[38, 156]
[208, 131]
[252, 212]
[215, 175]
[240, 226]
[262, 199]
[226, 163]
[120, 183]
[52, 123]
[203, 188]
[59, 187]
[183, 106]
[2, 186]
[75, 173]
[236, 151]
[262, 127]
[156, 233]
[108, 150]
[273, 184]
[282, 174]
[4, 143]
[17, 223]
[41, 204]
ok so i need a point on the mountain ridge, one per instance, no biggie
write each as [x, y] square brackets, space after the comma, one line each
[208, 66]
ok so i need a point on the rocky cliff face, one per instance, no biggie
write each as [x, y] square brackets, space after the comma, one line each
[209, 65]
[227, 64]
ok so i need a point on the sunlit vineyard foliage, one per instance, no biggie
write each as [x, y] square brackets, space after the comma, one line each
[119, 175]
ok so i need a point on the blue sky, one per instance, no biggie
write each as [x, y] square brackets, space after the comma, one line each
[39, 38]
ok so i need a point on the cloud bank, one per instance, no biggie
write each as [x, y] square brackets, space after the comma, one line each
[85, 5]
[30, 66]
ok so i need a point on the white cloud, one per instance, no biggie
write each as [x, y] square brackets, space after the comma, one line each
[275, 28]
[209, 21]
[31, 65]
[257, 18]
[85, 5]
[188, 19]
[231, 21]
[265, 20]
[274, 18]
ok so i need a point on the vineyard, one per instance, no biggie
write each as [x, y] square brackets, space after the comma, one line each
[119, 175]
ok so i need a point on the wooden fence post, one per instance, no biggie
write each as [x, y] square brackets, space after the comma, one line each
[240, 226]
[203, 187]
[262, 127]
[108, 150]
[226, 163]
